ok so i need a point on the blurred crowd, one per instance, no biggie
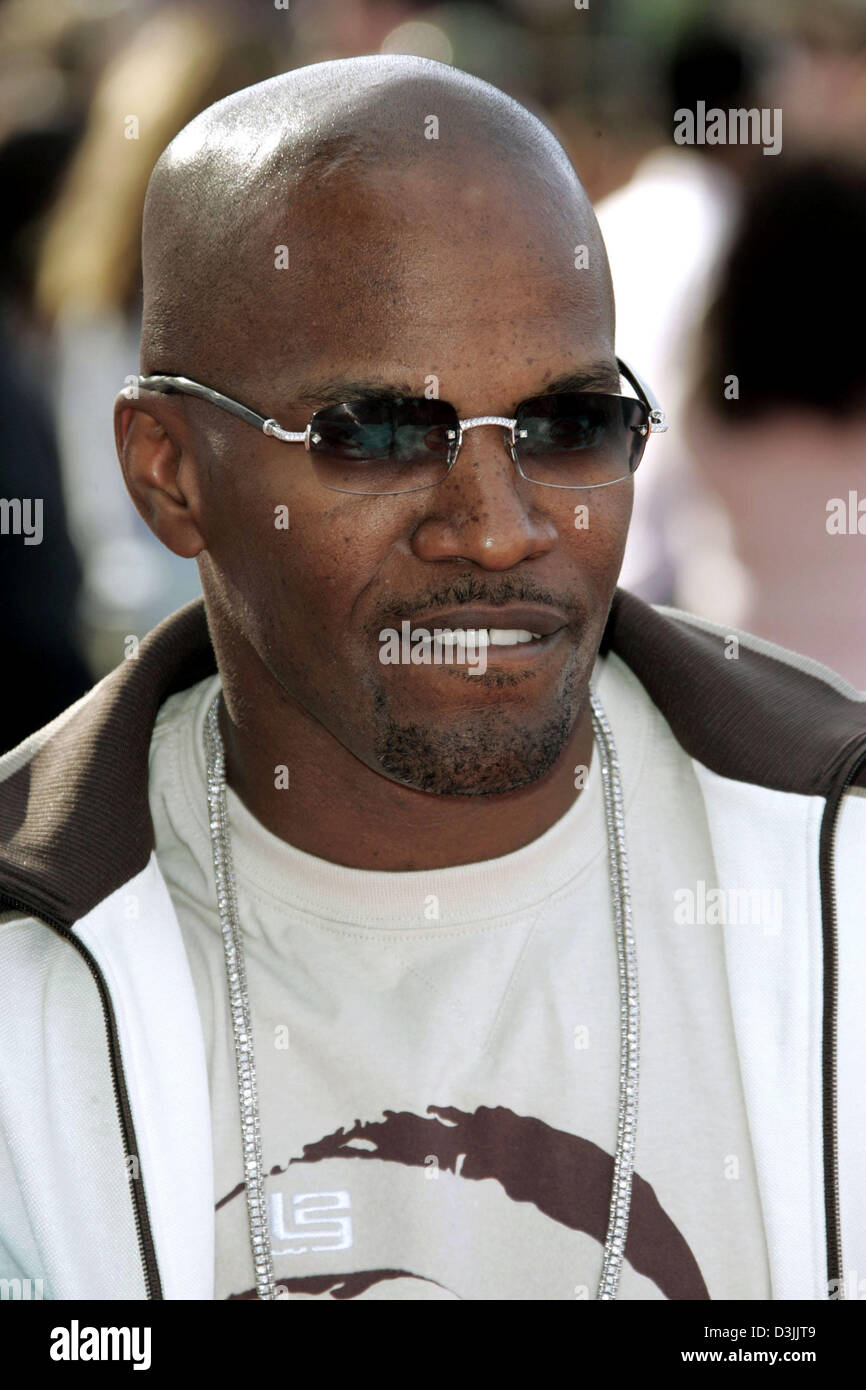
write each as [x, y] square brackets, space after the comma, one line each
[737, 276]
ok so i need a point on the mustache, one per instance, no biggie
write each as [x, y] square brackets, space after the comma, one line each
[472, 589]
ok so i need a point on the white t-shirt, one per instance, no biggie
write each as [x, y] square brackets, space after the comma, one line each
[438, 1051]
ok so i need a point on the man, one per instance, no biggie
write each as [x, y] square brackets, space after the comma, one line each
[340, 916]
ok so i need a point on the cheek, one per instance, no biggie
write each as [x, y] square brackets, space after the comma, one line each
[300, 558]
[596, 528]
[332, 552]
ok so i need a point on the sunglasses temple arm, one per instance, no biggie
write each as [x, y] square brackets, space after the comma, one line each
[658, 419]
[182, 384]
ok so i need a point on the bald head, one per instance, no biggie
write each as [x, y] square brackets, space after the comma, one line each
[315, 208]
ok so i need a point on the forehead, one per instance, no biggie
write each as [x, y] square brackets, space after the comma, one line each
[432, 264]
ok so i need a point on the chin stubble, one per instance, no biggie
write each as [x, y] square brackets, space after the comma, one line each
[486, 756]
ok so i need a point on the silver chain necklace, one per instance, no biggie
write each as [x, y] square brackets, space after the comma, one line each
[629, 1014]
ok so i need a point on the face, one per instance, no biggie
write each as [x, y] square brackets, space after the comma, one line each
[471, 292]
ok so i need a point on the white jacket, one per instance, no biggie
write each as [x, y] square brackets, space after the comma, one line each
[105, 1126]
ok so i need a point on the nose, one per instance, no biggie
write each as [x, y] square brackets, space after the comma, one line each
[484, 511]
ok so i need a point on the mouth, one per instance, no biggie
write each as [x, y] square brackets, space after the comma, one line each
[490, 649]
[509, 626]
[477, 637]
[512, 636]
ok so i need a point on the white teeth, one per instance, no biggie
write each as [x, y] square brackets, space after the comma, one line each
[459, 637]
[508, 636]
[482, 636]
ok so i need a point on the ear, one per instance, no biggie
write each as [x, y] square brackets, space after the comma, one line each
[159, 470]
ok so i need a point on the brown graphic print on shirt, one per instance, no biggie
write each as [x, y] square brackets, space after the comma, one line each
[566, 1178]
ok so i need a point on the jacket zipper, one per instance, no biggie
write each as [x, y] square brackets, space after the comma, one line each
[147, 1249]
[829, 1045]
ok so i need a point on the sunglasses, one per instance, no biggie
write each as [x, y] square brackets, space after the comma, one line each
[386, 444]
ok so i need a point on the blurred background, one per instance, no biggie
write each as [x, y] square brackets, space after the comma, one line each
[738, 278]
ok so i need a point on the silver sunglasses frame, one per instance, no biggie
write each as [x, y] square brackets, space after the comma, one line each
[167, 384]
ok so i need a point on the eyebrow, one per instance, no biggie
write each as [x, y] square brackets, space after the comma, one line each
[596, 376]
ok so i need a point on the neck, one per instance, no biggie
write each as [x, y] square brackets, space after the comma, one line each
[339, 809]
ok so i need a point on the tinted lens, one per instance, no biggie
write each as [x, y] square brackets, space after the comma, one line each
[580, 440]
[383, 445]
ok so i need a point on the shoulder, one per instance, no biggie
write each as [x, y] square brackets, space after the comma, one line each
[743, 707]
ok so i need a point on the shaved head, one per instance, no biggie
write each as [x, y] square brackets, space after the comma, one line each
[343, 170]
